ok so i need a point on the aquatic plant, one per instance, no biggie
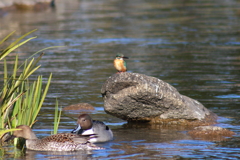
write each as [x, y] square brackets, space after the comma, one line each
[57, 117]
[20, 99]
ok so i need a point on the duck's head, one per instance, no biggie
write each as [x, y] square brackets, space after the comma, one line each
[84, 122]
[23, 131]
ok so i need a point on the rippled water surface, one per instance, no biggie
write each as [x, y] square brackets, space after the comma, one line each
[193, 45]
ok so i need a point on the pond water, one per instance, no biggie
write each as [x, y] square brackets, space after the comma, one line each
[193, 45]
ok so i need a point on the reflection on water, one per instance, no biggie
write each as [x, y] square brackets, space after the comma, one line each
[193, 45]
[58, 155]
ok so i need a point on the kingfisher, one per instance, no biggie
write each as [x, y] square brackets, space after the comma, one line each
[119, 63]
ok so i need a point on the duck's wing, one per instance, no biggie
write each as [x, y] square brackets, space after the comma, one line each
[61, 138]
[84, 138]
[98, 122]
[100, 125]
[64, 142]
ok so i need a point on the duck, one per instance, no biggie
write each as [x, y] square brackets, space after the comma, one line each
[56, 142]
[97, 130]
[119, 63]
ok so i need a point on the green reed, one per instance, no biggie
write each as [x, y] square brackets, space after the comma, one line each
[20, 98]
[57, 117]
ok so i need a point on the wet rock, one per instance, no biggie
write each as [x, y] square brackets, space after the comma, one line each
[35, 5]
[137, 97]
[79, 106]
[211, 133]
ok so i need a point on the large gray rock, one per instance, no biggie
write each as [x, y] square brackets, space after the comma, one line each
[137, 97]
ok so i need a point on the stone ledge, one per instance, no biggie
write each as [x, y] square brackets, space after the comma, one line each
[209, 120]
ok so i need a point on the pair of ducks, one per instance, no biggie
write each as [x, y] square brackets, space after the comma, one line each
[88, 131]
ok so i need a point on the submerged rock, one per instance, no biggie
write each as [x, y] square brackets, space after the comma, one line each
[137, 97]
[79, 106]
[35, 5]
[211, 133]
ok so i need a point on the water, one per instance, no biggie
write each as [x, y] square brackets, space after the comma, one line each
[193, 45]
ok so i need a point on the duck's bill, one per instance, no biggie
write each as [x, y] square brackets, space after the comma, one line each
[76, 129]
[10, 138]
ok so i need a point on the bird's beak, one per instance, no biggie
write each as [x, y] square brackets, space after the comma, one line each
[125, 57]
[10, 138]
[76, 129]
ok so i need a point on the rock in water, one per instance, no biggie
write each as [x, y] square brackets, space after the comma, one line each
[211, 133]
[79, 106]
[137, 97]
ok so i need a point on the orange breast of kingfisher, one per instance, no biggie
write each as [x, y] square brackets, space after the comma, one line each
[119, 65]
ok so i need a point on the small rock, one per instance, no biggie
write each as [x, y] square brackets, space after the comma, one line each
[32, 5]
[79, 106]
[137, 97]
[211, 133]
[35, 5]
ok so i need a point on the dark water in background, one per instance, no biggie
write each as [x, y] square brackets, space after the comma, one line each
[193, 45]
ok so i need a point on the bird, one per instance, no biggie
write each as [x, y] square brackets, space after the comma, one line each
[97, 130]
[119, 63]
[56, 142]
